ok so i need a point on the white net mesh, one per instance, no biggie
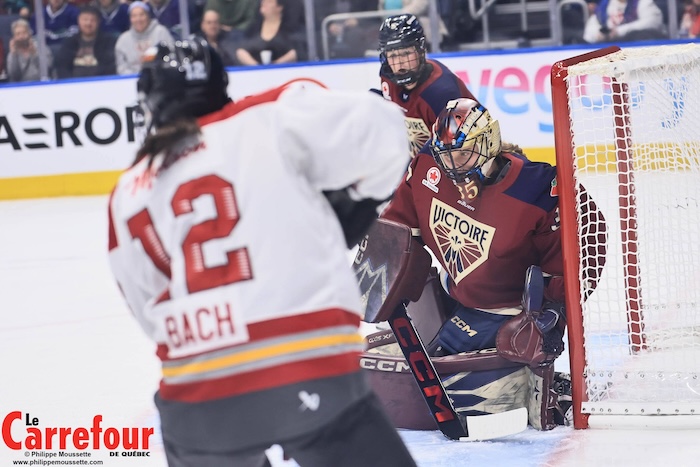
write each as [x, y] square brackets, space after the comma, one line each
[642, 323]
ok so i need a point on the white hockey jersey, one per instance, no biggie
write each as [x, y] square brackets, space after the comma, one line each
[231, 258]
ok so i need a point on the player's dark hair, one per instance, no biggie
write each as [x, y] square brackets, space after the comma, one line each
[164, 139]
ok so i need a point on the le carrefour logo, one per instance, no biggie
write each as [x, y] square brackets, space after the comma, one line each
[25, 431]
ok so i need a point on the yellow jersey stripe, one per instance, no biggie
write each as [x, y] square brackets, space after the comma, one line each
[240, 358]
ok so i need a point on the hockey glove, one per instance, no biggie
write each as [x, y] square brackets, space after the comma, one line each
[534, 337]
[356, 217]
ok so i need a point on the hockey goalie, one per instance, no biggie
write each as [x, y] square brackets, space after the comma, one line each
[491, 316]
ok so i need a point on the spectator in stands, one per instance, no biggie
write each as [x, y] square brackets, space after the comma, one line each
[211, 30]
[625, 20]
[235, 15]
[323, 8]
[353, 37]
[115, 16]
[88, 53]
[460, 25]
[23, 58]
[144, 33]
[195, 12]
[60, 21]
[273, 31]
[167, 12]
[419, 8]
[573, 16]
[591, 5]
[690, 22]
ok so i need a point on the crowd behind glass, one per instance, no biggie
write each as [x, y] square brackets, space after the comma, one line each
[81, 38]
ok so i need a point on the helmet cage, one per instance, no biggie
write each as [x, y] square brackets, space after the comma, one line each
[464, 139]
[463, 163]
[402, 32]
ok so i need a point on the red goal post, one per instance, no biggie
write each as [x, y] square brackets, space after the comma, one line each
[627, 130]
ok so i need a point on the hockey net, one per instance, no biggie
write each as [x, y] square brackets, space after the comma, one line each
[627, 130]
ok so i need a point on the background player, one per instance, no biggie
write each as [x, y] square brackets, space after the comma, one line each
[419, 85]
[234, 262]
[487, 214]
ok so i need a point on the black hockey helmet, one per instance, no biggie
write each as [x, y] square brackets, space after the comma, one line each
[186, 79]
[399, 32]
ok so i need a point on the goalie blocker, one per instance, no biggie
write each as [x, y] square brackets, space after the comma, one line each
[517, 374]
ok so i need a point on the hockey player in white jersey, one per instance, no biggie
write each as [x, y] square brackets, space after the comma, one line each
[227, 237]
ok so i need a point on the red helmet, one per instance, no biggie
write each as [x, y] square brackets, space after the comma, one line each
[464, 138]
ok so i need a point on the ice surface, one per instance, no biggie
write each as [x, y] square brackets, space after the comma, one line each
[69, 350]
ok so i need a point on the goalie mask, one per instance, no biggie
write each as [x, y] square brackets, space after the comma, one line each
[183, 80]
[464, 138]
[401, 32]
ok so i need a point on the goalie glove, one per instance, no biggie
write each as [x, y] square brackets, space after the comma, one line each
[355, 217]
[535, 339]
[535, 336]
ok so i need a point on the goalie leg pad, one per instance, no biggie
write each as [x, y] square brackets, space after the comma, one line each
[541, 398]
[474, 392]
[488, 391]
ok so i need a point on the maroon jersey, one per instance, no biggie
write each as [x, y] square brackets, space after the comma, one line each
[423, 103]
[486, 246]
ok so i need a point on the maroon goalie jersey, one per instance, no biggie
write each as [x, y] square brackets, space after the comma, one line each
[486, 246]
[423, 103]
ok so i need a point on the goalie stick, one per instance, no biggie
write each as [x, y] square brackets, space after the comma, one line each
[452, 424]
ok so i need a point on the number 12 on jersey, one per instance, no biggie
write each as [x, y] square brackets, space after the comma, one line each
[201, 320]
